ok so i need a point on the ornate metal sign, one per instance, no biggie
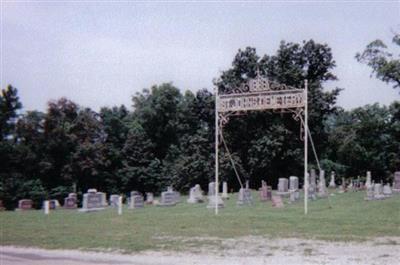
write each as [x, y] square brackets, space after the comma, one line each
[261, 94]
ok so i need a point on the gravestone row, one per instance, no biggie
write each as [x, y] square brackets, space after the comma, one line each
[94, 200]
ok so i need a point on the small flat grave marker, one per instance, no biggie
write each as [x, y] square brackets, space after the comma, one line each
[277, 202]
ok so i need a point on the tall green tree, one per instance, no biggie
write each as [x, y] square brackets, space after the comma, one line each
[115, 123]
[385, 65]
[367, 139]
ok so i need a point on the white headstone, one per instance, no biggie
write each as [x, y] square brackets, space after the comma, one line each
[332, 182]
[195, 194]
[149, 198]
[244, 197]
[293, 183]
[46, 207]
[225, 190]
[283, 186]
[387, 190]
[378, 191]
[211, 202]
[211, 189]
[368, 182]
[322, 185]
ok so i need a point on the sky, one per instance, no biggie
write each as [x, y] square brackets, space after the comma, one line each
[101, 53]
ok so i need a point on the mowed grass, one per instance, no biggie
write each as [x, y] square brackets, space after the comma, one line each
[348, 218]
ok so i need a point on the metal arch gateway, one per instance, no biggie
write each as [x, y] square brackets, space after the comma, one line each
[260, 93]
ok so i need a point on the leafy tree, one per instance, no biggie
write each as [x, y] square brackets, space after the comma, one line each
[139, 162]
[158, 113]
[366, 139]
[9, 106]
[11, 179]
[115, 123]
[384, 64]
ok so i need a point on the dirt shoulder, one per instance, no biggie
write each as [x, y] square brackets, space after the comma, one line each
[245, 250]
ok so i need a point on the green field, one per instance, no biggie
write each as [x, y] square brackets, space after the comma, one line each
[349, 218]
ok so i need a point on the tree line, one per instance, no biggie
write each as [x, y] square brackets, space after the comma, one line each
[167, 137]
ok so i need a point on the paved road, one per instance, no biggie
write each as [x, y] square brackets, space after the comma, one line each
[20, 256]
[243, 251]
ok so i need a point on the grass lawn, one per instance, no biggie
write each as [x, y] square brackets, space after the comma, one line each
[349, 218]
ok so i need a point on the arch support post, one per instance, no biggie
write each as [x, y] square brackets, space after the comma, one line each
[306, 180]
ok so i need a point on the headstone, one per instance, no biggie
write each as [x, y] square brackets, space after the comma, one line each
[368, 182]
[277, 202]
[92, 201]
[46, 206]
[265, 191]
[358, 183]
[53, 204]
[136, 200]
[103, 196]
[195, 194]
[168, 198]
[294, 194]
[293, 183]
[211, 202]
[351, 186]
[283, 186]
[387, 190]
[313, 179]
[293, 197]
[25, 204]
[342, 187]
[312, 186]
[244, 197]
[225, 190]
[378, 191]
[322, 192]
[149, 198]
[211, 189]
[332, 182]
[370, 193]
[396, 181]
[71, 201]
[114, 200]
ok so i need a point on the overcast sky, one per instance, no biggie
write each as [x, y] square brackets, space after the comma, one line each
[100, 54]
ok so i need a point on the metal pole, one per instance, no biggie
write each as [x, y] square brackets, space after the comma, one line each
[306, 147]
[216, 150]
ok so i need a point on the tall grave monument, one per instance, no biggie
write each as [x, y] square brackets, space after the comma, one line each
[265, 191]
[332, 183]
[396, 182]
[322, 192]
[294, 188]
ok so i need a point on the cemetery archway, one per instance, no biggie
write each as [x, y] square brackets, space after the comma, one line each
[259, 93]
